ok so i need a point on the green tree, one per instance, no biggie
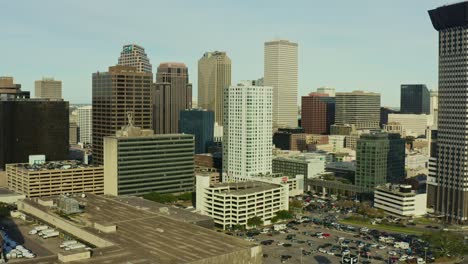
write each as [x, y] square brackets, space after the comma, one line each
[283, 215]
[445, 243]
[160, 197]
[185, 196]
[295, 204]
[255, 221]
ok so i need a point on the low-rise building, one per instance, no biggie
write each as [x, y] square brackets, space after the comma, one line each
[137, 161]
[307, 164]
[296, 183]
[234, 203]
[55, 178]
[400, 200]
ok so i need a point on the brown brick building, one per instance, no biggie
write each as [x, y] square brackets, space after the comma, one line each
[317, 113]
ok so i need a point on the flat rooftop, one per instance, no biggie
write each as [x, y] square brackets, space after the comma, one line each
[53, 165]
[248, 187]
[146, 236]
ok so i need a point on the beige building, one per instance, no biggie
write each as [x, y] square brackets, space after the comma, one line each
[172, 94]
[358, 108]
[54, 178]
[280, 72]
[232, 204]
[48, 88]
[73, 134]
[120, 90]
[135, 56]
[214, 74]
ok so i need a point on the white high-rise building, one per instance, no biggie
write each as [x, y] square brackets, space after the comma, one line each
[247, 131]
[85, 124]
[134, 55]
[281, 66]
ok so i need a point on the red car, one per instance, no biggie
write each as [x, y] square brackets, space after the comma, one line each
[326, 235]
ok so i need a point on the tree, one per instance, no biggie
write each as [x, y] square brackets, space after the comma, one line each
[445, 243]
[283, 215]
[295, 204]
[255, 221]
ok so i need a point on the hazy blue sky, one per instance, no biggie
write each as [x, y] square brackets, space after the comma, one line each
[372, 45]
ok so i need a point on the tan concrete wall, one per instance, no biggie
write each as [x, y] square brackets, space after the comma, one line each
[251, 255]
[64, 225]
[74, 257]
[3, 179]
[110, 166]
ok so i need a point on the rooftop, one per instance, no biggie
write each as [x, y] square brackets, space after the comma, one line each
[145, 235]
[52, 165]
[247, 187]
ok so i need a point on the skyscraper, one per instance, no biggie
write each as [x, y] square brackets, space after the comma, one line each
[9, 89]
[414, 99]
[33, 126]
[380, 158]
[120, 90]
[48, 88]
[85, 124]
[135, 56]
[317, 113]
[214, 75]
[326, 90]
[281, 66]
[452, 141]
[247, 147]
[200, 123]
[358, 108]
[172, 94]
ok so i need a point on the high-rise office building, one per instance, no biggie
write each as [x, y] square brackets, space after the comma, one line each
[120, 90]
[247, 147]
[200, 123]
[414, 99]
[9, 89]
[33, 126]
[85, 124]
[384, 113]
[452, 192]
[48, 88]
[330, 91]
[380, 158]
[317, 113]
[281, 67]
[172, 94]
[73, 133]
[358, 108]
[434, 103]
[137, 161]
[135, 56]
[214, 75]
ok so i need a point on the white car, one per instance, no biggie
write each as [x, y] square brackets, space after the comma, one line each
[403, 258]
[322, 250]
[280, 244]
[393, 253]
[346, 252]
[331, 253]
[382, 247]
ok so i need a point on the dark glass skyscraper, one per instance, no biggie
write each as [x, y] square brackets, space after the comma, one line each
[33, 126]
[452, 135]
[380, 158]
[200, 123]
[415, 99]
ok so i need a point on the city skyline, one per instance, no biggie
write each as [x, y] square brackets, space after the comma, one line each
[328, 47]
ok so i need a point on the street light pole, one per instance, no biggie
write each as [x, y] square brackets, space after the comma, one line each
[301, 254]
[425, 254]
